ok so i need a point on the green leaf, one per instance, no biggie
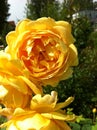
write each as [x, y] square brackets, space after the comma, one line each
[94, 127]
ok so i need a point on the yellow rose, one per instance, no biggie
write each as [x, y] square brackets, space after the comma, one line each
[14, 74]
[44, 114]
[36, 121]
[14, 92]
[46, 48]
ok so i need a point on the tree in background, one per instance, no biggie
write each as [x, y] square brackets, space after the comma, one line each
[59, 11]
[83, 4]
[82, 28]
[69, 7]
[4, 8]
[39, 8]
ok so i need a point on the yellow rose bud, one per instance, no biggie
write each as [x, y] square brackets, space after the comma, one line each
[94, 110]
[46, 48]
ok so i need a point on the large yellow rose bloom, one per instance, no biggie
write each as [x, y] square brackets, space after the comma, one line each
[46, 48]
[44, 114]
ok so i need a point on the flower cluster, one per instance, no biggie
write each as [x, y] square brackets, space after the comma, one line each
[38, 53]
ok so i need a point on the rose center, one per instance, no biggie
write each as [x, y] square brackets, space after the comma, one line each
[40, 54]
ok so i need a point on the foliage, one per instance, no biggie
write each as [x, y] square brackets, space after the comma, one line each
[82, 29]
[51, 7]
[39, 8]
[84, 82]
[4, 7]
[85, 124]
[7, 28]
[93, 39]
[83, 4]
[69, 7]
[2, 120]
[85, 74]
